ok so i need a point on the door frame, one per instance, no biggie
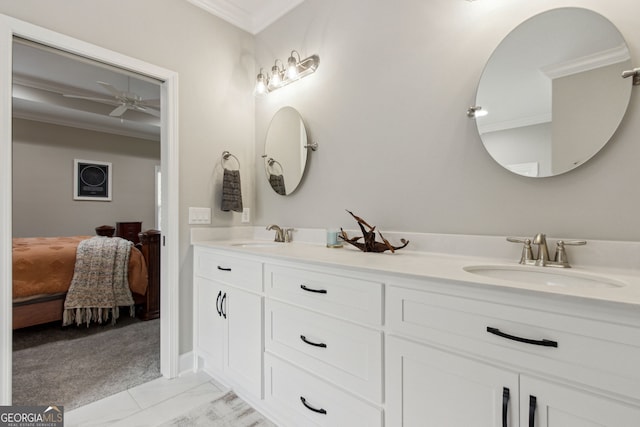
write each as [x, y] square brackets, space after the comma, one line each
[169, 289]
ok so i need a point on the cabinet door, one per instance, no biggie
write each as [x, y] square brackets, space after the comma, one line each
[545, 404]
[209, 326]
[243, 356]
[430, 387]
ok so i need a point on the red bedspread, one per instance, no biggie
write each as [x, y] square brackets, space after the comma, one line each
[44, 266]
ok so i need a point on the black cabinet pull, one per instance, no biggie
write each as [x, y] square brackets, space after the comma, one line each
[311, 408]
[223, 268]
[544, 343]
[316, 291]
[218, 303]
[532, 411]
[223, 307]
[505, 406]
[315, 344]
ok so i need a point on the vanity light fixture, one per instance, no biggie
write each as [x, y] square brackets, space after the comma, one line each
[476, 111]
[280, 76]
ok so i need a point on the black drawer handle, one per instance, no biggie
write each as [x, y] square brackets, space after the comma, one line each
[505, 406]
[218, 309]
[223, 306]
[315, 344]
[223, 268]
[544, 343]
[311, 408]
[316, 291]
[532, 411]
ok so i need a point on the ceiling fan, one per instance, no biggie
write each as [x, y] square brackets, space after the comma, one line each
[125, 100]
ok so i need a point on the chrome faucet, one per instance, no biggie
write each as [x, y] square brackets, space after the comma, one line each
[543, 251]
[542, 259]
[279, 233]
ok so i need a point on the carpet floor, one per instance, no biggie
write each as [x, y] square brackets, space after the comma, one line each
[74, 366]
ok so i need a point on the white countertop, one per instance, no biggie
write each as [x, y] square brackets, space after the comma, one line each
[433, 265]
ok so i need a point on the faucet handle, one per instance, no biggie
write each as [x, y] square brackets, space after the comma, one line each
[288, 237]
[561, 253]
[527, 253]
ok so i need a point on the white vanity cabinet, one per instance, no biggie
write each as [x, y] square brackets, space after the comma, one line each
[316, 344]
[458, 361]
[323, 342]
[228, 319]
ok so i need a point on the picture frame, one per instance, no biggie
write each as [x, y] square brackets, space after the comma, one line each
[92, 180]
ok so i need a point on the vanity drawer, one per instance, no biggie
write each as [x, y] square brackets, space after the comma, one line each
[345, 297]
[592, 352]
[343, 353]
[238, 272]
[286, 386]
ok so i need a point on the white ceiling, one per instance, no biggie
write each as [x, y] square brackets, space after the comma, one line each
[250, 15]
[42, 75]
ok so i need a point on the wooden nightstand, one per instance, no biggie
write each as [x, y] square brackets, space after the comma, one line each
[129, 230]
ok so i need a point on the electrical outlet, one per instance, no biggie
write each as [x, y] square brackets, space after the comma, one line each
[246, 216]
[199, 215]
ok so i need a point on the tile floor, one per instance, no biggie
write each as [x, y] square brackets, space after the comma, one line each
[148, 404]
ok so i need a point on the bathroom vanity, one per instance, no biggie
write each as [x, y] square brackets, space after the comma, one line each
[335, 337]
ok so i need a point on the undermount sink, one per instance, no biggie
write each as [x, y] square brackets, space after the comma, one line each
[544, 276]
[256, 244]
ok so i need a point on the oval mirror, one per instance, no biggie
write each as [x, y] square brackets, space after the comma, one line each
[552, 94]
[285, 152]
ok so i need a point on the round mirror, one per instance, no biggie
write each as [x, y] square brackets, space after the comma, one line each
[285, 152]
[552, 94]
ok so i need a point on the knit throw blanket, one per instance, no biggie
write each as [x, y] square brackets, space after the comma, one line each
[100, 284]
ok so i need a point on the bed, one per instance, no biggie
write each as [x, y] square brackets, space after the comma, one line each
[43, 268]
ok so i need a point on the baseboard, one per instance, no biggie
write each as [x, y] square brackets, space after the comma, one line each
[185, 363]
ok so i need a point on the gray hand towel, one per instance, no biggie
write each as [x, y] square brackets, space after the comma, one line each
[277, 183]
[231, 191]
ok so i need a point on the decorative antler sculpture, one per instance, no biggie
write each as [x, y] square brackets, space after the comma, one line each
[370, 244]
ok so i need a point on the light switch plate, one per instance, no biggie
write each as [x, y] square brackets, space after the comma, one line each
[199, 215]
[246, 216]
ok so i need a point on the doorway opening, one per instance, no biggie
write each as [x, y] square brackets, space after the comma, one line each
[169, 163]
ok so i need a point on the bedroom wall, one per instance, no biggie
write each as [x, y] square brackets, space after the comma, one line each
[215, 63]
[43, 202]
[387, 108]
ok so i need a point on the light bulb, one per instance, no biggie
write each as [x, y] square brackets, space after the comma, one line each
[292, 68]
[261, 87]
[275, 80]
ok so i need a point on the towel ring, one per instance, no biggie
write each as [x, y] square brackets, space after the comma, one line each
[225, 156]
[271, 161]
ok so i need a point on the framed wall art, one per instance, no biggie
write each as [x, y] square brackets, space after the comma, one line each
[91, 180]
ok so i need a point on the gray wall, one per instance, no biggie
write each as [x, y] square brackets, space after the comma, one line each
[387, 107]
[215, 63]
[43, 156]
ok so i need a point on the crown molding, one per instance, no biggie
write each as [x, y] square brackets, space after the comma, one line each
[251, 16]
[600, 59]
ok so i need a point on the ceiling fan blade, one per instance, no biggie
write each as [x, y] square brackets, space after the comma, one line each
[147, 110]
[110, 88]
[90, 98]
[150, 102]
[119, 110]
[154, 113]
